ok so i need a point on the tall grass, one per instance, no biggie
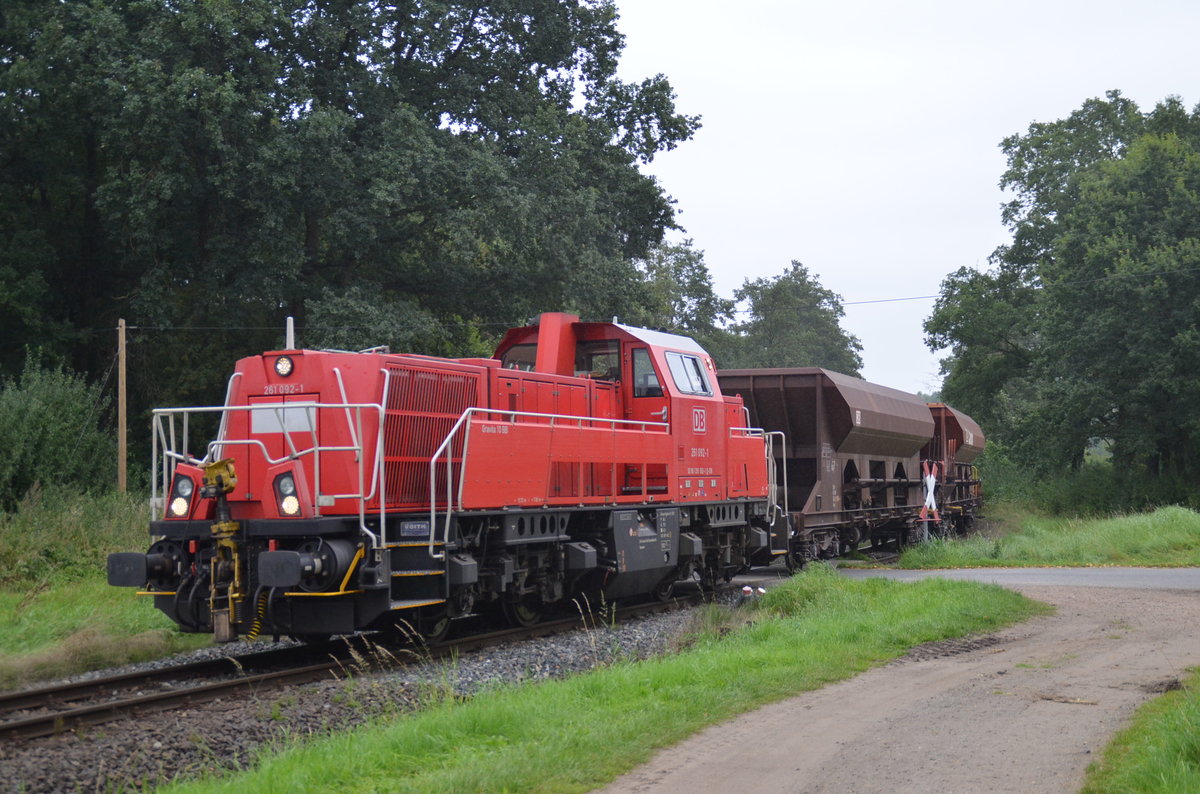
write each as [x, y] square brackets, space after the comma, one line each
[1169, 536]
[579, 733]
[57, 613]
[1158, 752]
[58, 535]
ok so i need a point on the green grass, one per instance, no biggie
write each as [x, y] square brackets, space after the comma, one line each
[1158, 752]
[60, 536]
[578, 733]
[1169, 536]
[58, 616]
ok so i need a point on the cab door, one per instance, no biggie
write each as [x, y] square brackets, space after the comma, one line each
[645, 401]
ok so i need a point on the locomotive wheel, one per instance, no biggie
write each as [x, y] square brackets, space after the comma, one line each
[311, 639]
[436, 627]
[525, 612]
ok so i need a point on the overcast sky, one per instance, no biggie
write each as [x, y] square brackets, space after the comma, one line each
[862, 138]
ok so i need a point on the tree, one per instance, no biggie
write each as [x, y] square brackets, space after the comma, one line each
[678, 292]
[1122, 297]
[52, 433]
[986, 320]
[791, 321]
[203, 166]
[1085, 329]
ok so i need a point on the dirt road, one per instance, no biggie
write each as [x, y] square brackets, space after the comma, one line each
[1024, 710]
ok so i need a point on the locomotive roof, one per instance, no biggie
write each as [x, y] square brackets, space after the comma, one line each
[599, 330]
[661, 338]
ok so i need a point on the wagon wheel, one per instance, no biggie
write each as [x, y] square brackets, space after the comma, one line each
[524, 612]
[794, 560]
[665, 589]
[708, 576]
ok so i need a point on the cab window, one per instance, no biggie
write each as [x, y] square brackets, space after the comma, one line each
[522, 357]
[688, 374]
[645, 380]
[601, 360]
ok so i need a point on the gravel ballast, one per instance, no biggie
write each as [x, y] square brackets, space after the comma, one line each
[228, 734]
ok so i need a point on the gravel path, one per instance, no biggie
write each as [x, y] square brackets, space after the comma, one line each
[135, 754]
[1024, 710]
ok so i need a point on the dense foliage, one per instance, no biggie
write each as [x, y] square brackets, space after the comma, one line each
[192, 166]
[788, 320]
[791, 320]
[421, 175]
[52, 433]
[1084, 333]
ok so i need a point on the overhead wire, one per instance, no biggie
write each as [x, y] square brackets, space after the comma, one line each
[864, 302]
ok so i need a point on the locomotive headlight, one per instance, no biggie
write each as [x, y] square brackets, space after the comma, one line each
[284, 366]
[285, 494]
[181, 496]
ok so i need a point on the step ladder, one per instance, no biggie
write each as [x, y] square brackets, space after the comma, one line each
[417, 580]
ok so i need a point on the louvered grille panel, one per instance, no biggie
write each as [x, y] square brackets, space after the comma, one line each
[422, 407]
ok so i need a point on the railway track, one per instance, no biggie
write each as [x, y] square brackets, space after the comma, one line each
[47, 711]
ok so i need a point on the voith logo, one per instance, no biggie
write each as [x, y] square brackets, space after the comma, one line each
[699, 420]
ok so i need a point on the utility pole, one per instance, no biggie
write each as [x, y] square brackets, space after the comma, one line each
[122, 440]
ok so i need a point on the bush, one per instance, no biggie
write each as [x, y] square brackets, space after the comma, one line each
[51, 433]
[1097, 488]
[61, 535]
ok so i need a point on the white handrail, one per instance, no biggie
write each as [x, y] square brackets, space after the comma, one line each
[337, 373]
[379, 475]
[163, 432]
[773, 474]
[466, 417]
[228, 393]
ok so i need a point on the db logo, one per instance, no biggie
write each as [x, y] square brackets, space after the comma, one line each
[699, 420]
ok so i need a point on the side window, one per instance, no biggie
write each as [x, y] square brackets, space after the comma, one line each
[522, 357]
[688, 374]
[645, 381]
[600, 360]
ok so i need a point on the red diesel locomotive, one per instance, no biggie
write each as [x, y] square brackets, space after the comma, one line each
[349, 491]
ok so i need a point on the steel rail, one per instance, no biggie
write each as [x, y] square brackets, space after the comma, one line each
[77, 690]
[94, 714]
[57, 720]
